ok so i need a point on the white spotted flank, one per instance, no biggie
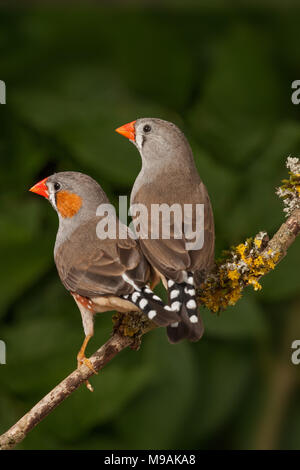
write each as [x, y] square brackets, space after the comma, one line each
[189, 291]
[152, 314]
[155, 297]
[135, 296]
[191, 304]
[176, 306]
[174, 293]
[194, 319]
[143, 303]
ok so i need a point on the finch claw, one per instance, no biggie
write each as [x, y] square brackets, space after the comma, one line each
[84, 360]
[88, 363]
[89, 386]
[81, 359]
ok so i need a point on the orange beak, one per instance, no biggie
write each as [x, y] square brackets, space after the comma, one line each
[41, 188]
[128, 130]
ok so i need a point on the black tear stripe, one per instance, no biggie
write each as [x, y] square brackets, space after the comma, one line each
[182, 299]
[152, 305]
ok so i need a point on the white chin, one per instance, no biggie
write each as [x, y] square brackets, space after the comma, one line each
[138, 141]
[52, 200]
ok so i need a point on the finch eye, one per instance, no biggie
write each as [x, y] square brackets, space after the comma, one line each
[56, 186]
[147, 128]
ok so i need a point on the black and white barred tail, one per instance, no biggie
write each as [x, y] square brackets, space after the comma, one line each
[182, 300]
[153, 306]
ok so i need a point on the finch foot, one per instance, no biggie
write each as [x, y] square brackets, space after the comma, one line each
[84, 360]
[89, 386]
[81, 359]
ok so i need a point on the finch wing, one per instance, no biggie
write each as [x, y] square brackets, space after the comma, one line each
[90, 266]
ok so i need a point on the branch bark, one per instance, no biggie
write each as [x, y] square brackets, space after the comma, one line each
[63, 390]
[128, 330]
[286, 235]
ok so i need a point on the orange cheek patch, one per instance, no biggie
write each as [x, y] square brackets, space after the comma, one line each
[68, 204]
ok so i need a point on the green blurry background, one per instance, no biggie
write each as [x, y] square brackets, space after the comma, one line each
[223, 74]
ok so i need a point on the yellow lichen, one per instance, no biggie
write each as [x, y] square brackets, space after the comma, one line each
[246, 263]
[257, 242]
[244, 266]
[289, 191]
[240, 249]
[233, 274]
[254, 282]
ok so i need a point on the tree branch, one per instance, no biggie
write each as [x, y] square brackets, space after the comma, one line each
[220, 288]
[245, 265]
[128, 330]
[99, 359]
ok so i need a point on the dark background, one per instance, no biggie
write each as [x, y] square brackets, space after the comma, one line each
[223, 73]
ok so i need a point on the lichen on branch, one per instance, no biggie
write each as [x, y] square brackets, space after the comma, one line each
[289, 191]
[242, 266]
[246, 263]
